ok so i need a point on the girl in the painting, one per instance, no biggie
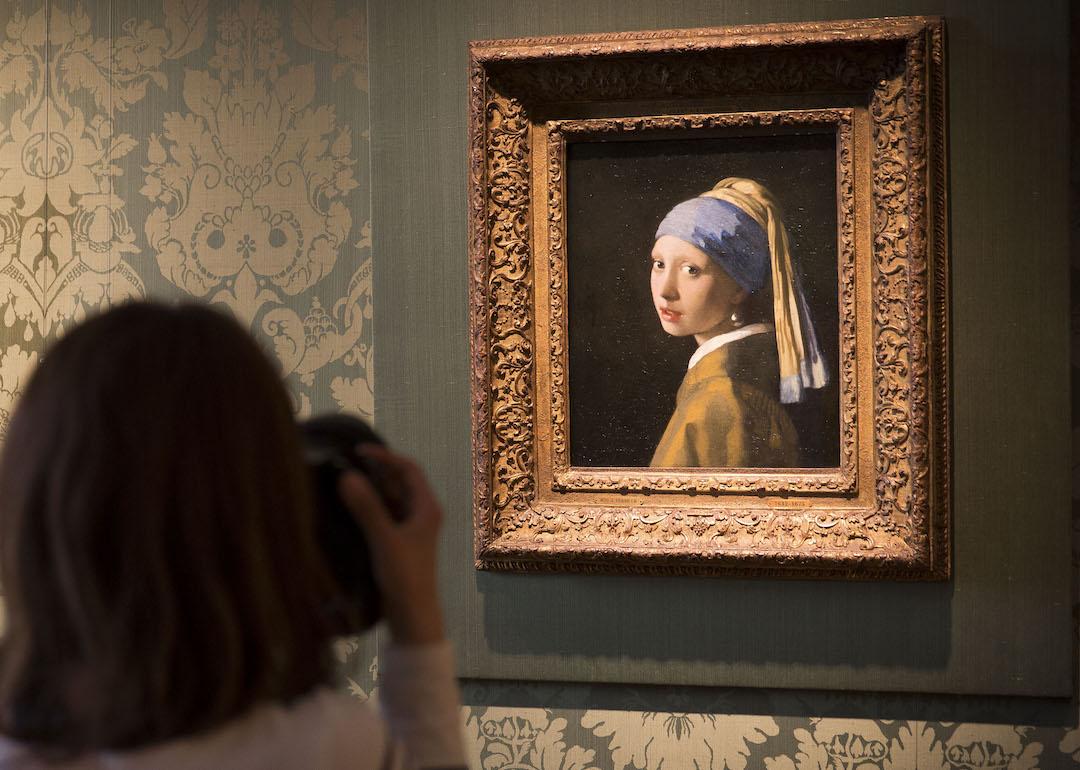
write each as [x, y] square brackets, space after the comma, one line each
[722, 271]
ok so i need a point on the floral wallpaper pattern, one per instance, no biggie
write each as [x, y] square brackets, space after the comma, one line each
[189, 150]
[219, 151]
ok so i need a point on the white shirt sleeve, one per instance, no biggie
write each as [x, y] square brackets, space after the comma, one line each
[420, 699]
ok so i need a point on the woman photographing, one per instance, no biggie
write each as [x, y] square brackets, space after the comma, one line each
[168, 604]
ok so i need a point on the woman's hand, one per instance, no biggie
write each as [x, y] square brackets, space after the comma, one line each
[403, 550]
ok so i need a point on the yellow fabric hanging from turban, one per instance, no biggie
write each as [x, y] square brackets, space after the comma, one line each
[800, 359]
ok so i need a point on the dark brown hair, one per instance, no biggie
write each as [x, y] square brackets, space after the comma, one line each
[157, 543]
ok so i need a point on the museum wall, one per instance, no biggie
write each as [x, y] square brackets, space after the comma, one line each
[1007, 89]
[221, 151]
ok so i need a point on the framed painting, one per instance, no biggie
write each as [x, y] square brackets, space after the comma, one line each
[709, 311]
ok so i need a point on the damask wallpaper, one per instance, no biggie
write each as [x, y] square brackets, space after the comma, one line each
[189, 149]
[219, 151]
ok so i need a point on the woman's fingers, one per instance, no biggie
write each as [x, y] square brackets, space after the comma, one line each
[365, 504]
[422, 508]
[404, 548]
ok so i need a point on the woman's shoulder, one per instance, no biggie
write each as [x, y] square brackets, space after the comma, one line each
[336, 729]
[339, 730]
[325, 729]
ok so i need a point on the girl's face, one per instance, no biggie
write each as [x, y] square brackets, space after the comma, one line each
[691, 293]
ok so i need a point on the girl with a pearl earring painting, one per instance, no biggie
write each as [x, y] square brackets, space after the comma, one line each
[722, 271]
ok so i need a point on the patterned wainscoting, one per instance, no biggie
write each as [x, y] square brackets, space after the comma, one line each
[219, 151]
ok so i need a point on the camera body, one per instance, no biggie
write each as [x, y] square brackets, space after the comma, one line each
[329, 444]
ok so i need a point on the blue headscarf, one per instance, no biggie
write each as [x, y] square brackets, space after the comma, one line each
[727, 234]
[738, 225]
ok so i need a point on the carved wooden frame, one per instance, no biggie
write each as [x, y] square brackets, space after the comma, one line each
[884, 512]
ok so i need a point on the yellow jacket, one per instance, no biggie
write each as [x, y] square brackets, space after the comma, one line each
[728, 414]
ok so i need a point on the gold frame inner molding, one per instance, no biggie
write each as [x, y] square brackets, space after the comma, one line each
[878, 85]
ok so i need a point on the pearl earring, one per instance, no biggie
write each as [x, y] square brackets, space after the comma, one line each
[736, 319]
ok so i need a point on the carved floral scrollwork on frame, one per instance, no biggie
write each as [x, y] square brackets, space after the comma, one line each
[877, 86]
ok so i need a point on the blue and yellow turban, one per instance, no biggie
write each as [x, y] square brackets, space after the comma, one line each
[738, 225]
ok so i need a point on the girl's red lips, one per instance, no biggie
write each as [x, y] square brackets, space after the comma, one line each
[669, 315]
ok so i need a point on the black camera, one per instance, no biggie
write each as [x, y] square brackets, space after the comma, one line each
[329, 444]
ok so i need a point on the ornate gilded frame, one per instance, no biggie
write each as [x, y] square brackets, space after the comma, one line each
[884, 512]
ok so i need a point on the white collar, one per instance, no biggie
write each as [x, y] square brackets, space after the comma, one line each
[717, 342]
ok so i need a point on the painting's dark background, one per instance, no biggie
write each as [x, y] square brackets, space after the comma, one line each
[624, 370]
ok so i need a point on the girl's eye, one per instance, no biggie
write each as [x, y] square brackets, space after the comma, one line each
[657, 264]
[692, 271]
